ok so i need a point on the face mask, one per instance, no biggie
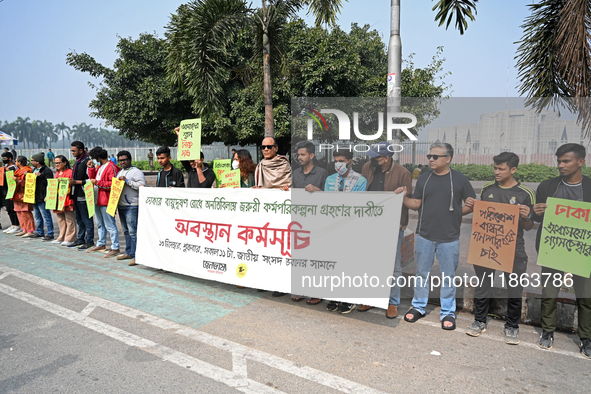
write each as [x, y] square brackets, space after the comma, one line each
[341, 168]
[374, 162]
[5, 161]
[96, 163]
[235, 164]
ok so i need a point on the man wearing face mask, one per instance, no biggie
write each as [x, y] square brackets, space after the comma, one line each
[383, 174]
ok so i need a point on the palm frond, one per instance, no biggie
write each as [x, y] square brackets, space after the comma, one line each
[461, 9]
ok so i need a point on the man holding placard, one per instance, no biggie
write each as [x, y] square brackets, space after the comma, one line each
[570, 185]
[199, 173]
[505, 190]
[79, 179]
[41, 214]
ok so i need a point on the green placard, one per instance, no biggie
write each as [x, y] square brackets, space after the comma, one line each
[219, 167]
[62, 193]
[565, 244]
[51, 194]
[11, 184]
[189, 142]
[89, 194]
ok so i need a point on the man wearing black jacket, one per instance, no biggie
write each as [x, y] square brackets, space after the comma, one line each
[42, 215]
[169, 175]
[570, 185]
[200, 175]
[79, 178]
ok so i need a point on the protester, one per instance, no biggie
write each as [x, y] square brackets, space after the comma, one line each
[85, 224]
[128, 204]
[383, 174]
[151, 159]
[438, 197]
[273, 171]
[570, 185]
[42, 216]
[344, 180]
[101, 171]
[199, 173]
[506, 190]
[169, 175]
[8, 162]
[50, 158]
[23, 209]
[243, 161]
[14, 154]
[66, 219]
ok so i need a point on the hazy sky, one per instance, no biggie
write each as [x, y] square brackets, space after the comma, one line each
[35, 37]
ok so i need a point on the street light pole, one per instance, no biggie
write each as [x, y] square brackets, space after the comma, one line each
[394, 67]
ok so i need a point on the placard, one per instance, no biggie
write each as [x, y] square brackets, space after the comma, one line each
[89, 195]
[230, 178]
[219, 167]
[51, 194]
[30, 184]
[2, 169]
[116, 189]
[11, 184]
[189, 141]
[62, 193]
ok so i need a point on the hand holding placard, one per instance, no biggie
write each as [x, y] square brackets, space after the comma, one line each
[189, 139]
[51, 201]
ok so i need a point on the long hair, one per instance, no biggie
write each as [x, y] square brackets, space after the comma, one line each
[246, 164]
[65, 161]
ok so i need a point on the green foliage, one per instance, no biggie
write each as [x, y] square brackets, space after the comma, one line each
[475, 172]
[525, 172]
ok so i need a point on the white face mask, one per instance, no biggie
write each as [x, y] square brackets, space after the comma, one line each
[341, 168]
[235, 164]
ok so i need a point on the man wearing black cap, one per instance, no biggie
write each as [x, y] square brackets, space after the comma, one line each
[383, 174]
[42, 215]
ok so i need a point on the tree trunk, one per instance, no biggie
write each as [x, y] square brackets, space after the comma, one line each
[268, 92]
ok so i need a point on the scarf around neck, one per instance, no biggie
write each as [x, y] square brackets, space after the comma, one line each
[273, 173]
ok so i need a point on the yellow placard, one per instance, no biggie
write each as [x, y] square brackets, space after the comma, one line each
[230, 178]
[30, 184]
[116, 189]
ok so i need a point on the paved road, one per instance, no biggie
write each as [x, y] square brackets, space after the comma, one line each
[75, 322]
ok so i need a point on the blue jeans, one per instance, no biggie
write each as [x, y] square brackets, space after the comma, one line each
[42, 216]
[104, 223]
[128, 218]
[85, 224]
[448, 255]
[395, 290]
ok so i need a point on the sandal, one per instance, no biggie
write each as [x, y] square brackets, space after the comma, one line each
[451, 319]
[416, 315]
[297, 299]
[314, 301]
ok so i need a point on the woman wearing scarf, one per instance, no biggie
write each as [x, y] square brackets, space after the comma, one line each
[66, 219]
[23, 210]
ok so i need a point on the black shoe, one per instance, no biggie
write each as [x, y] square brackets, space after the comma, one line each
[585, 347]
[332, 306]
[35, 235]
[546, 340]
[345, 307]
[278, 294]
[86, 246]
[48, 238]
[76, 244]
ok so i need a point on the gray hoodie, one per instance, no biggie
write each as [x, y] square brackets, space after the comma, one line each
[134, 178]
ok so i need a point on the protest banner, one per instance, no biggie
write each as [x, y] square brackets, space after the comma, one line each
[62, 193]
[51, 194]
[565, 243]
[116, 189]
[274, 240]
[230, 178]
[89, 195]
[2, 175]
[494, 235]
[30, 184]
[189, 141]
[11, 182]
[219, 167]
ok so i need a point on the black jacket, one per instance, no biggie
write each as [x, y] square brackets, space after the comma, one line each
[174, 178]
[41, 183]
[193, 180]
[548, 189]
[79, 173]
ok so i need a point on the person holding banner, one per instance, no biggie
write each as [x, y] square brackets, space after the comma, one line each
[570, 185]
[8, 163]
[274, 171]
[101, 177]
[66, 219]
[128, 203]
[506, 190]
[79, 178]
[40, 213]
[23, 210]
[438, 197]
[169, 175]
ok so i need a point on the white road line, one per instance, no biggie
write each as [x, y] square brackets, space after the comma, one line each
[4, 275]
[314, 375]
[88, 309]
[239, 365]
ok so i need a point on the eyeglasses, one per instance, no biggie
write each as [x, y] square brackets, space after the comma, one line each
[58, 162]
[123, 160]
[263, 147]
[435, 157]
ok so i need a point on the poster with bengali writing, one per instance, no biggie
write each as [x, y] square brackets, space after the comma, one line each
[2, 169]
[51, 194]
[11, 182]
[62, 193]
[219, 168]
[89, 195]
[30, 184]
[116, 189]
[189, 141]
[565, 243]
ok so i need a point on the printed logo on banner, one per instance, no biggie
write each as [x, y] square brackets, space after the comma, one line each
[241, 270]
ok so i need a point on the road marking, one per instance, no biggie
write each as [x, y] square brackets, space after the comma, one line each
[240, 353]
[88, 309]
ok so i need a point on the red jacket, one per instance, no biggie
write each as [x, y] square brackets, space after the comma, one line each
[66, 174]
[104, 184]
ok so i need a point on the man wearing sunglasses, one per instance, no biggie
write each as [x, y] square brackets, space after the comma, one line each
[438, 197]
[274, 171]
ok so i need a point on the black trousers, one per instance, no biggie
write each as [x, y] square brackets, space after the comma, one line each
[514, 294]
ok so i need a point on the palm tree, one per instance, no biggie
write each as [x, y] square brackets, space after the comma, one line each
[85, 133]
[63, 130]
[202, 31]
[23, 130]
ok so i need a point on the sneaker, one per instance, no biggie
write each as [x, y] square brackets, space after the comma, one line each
[585, 347]
[47, 238]
[69, 244]
[56, 241]
[76, 244]
[476, 328]
[345, 307]
[8, 229]
[95, 249]
[132, 263]
[332, 306]
[14, 230]
[34, 235]
[20, 233]
[546, 340]
[512, 336]
[85, 247]
[111, 253]
[124, 256]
